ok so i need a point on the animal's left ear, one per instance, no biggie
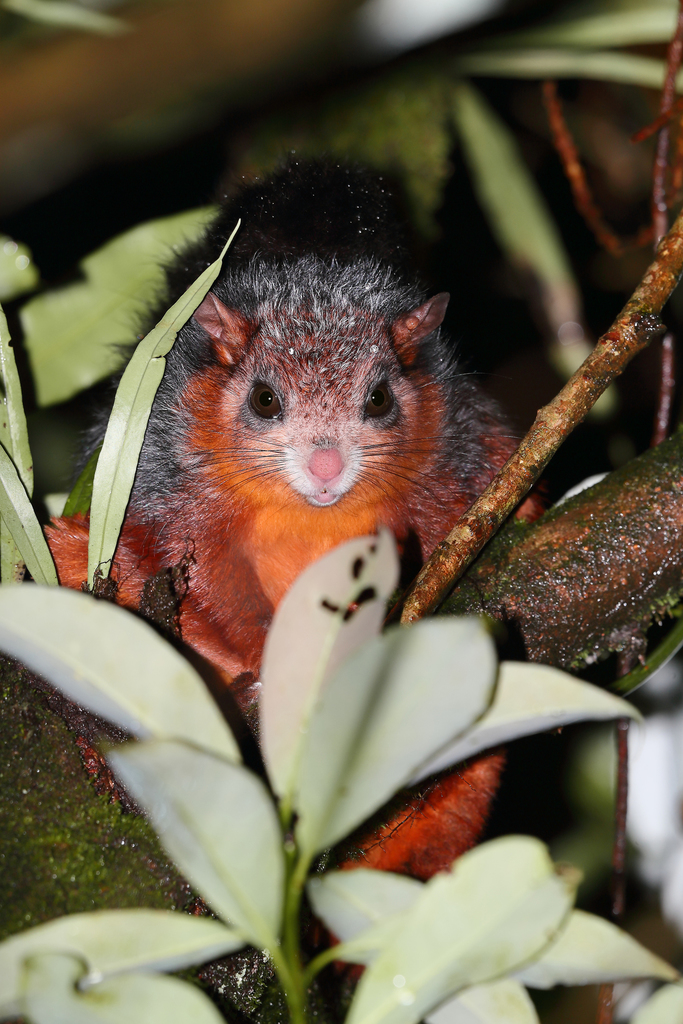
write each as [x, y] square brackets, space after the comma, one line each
[409, 329]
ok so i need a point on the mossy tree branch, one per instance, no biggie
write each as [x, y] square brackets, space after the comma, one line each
[589, 576]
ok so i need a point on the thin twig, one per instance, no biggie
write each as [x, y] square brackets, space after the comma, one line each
[667, 387]
[626, 662]
[632, 331]
[660, 209]
[659, 122]
[573, 168]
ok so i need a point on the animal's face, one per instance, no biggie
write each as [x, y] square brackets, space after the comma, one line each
[324, 407]
[320, 405]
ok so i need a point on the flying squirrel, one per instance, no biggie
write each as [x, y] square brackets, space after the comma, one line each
[311, 398]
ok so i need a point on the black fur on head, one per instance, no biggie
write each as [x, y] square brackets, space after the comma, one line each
[318, 239]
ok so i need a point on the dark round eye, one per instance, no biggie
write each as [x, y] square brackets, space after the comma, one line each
[380, 402]
[265, 402]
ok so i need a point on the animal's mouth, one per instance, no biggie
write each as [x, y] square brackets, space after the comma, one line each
[324, 497]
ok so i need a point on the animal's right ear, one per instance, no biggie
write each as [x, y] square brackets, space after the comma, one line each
[229, 329]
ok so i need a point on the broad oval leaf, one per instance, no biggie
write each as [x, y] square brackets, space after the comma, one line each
[218, 823]
[664, 1007]
[113, 663]
[22, 523]
[73, 335]
[125, 433]
[314, 629]
[112, 941]
[18, 272]
[499, 907]
[589, 951]
[531, 698]
[388, 708]
[498, 1002]
[361, 908]
[51, 994]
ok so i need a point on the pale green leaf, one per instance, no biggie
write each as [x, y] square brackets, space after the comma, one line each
[55, 502]
[664, 1007]
[498, 908]
[219, 824]
[603, 65]
[21, 521]
[514, 206]
[592, 24]
[361, 908]
[14, 439]
[498, 1002]
[112, 941]
[52, 994]
[127, 424]
[73, 335]
[113, 663]
[67, 15]
[12, 567]
[18, 272]
[392, 705]
[590, 951]
[531, 698]
[310, 635]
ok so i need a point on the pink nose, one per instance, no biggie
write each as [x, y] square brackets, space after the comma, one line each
[325, 463]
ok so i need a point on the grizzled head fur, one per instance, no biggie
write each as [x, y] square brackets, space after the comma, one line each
[317, 309]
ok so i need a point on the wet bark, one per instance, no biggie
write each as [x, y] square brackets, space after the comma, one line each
[589, 576]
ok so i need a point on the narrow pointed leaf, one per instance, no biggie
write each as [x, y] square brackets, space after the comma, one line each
[664, 1007]
[14, 439]
[13, 429]
[528, 699]
[513, 204]
[218, 823]
[73, 335]
[392, 705]
[603, 65]
[21, 521]
[601, 24]
[51, 994]
[314, 629]
[113, 663]
[67, 15]
[362, 908]
[499, 907]
[81, 493]
[590, 951]
[12, 566]
[112, 941]
[498, 1002]
[125, 433]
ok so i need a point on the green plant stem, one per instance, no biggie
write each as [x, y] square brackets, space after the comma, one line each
[288, 964]
[321, 960]
[669, 646]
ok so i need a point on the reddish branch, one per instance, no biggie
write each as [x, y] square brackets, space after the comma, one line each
[667, 387]
[632, 331]
[660, 208]
[573, 168]
[659, 122]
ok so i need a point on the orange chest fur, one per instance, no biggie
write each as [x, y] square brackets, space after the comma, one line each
[281, 542]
